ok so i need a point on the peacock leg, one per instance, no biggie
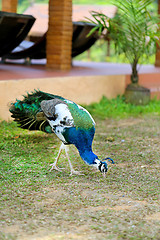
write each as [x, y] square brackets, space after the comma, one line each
[70, 164]
[54, 165]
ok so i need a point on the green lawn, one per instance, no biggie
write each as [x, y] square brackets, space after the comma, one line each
[24, 4]
[38, 204]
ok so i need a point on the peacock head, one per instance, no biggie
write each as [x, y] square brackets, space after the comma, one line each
[102, 166]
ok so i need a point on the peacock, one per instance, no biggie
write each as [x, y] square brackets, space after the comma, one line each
[72, 124]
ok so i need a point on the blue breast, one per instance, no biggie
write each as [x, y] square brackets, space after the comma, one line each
[82, 139]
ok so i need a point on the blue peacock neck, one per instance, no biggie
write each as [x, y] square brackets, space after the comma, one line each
[87, 155]
[82, 139]
[84, 145]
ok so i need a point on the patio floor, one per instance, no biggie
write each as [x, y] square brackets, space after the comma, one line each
[18, 70]
[85, 83]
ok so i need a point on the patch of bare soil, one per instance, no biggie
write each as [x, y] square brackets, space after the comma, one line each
[124, 205]
[155, 216]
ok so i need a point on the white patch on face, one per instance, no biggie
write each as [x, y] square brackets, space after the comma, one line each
[103, 167]
[98, 162]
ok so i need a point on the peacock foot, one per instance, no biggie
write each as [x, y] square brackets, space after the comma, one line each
[55, 167]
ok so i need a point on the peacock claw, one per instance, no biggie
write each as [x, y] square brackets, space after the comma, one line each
[55, 167]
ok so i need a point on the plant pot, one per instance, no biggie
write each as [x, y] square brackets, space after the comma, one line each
[137, 95]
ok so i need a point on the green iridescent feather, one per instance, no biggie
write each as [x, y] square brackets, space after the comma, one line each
[28, 114]
[81, 117]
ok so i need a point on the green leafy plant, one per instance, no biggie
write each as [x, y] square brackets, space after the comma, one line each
[134, 31]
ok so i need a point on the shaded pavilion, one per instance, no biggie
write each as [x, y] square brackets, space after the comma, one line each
[59, 35]
[79, 13]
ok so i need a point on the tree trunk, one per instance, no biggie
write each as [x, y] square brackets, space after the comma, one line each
[134, 75]
[134, 93]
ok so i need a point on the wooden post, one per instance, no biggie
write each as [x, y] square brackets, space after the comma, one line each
[157, 62]
[9, 5]
[59, 35]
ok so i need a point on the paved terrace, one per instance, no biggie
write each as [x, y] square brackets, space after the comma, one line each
[87, 81]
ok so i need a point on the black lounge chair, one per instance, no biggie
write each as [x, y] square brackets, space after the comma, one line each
[80, 43]
[13, 30]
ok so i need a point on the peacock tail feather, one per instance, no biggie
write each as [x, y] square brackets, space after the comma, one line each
[28, 114]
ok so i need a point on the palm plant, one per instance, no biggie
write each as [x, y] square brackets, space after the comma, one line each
[134, 31]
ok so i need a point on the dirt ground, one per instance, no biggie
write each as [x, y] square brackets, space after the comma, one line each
[54, 205]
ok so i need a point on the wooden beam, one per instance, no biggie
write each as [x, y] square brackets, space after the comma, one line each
[59, 35]
[157, 62]
[9, 5]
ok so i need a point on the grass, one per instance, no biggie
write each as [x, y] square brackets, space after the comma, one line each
[36, 203]
[117, 108]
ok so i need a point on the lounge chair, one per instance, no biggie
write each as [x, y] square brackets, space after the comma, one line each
[80, 43]
[13, 30]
